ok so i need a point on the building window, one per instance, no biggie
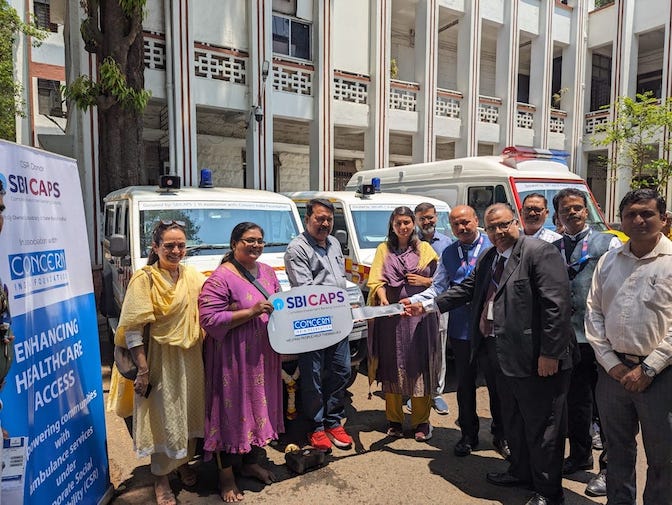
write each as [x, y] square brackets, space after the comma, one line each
[600, 85]
[50, 102]
[650, 81]
[43, 16]
[291, 37]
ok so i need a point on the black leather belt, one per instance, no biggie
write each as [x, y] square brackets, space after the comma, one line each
[630, 359]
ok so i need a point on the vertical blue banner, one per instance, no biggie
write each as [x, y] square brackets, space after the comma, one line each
[53, 394]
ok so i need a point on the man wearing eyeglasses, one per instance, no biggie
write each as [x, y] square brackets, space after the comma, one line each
[581, 248]
[425, 221]
[315, 258]
[519, 291]
[534, 213]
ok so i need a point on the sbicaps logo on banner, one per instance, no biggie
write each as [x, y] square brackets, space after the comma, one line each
[31, 185]
[38, 271]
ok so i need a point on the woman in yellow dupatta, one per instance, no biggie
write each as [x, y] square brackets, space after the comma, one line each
[405, 348]
[169, 402]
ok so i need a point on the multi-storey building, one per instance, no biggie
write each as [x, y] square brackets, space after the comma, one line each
[299, 94]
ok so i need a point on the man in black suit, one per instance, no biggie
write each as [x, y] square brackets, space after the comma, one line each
[520, 295]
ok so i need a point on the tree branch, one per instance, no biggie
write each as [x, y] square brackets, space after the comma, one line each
[134, 31]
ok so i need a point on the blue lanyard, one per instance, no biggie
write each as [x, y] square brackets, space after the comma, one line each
[469, 263]
[576, 265]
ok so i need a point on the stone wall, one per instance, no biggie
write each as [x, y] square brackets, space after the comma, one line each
[224, 156]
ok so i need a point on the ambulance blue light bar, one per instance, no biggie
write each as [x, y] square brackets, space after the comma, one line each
[514, 154]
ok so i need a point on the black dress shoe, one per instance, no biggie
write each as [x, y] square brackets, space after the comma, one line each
[465, 446]
[504, 479]
[597, 486]
[502, 447]
[538, 499]
[572, 466]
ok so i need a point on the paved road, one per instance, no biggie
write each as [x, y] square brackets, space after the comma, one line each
[377, 470]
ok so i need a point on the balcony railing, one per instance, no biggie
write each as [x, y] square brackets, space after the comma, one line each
[525, 115]
[594, 119]
[154, 50]
[404, 95]
[556, 123]
[448, 103]
[292, 77]
[488, 109]
[220, 63]
[351, 88]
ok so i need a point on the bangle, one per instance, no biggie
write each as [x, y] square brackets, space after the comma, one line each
[142, 373]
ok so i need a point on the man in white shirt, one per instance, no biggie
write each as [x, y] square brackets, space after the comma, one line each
[629, 324]
[534, 213]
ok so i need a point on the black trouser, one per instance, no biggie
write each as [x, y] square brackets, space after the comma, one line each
[534, 410]
[580, 404]
[466, 371]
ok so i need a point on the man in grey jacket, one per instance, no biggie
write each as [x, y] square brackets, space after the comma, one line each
[315, 257]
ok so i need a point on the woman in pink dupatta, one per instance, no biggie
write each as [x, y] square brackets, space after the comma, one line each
[243, 385]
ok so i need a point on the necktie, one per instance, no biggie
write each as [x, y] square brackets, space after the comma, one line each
[485, 325]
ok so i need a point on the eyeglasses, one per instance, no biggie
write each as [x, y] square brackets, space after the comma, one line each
[168, 222]
[169, 246]
[530, 210]
[499, 226]
[252, 241]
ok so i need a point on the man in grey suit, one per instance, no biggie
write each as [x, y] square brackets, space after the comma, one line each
[519, 292]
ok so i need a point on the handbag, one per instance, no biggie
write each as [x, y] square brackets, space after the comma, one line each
[246, 273]
[123, 358]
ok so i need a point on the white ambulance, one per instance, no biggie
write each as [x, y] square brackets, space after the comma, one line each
[483, 180]
[210, 214]
[361, 221]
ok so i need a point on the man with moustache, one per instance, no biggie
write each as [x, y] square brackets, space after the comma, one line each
[581, 248]
[629, 325]
[457, 262]
[520, 312]
[426, 219]
[534, 213]
[315, 258]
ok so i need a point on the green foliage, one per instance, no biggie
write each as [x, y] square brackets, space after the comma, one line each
[112, 84]
[133, 7]
[11, 102]
[640, 130]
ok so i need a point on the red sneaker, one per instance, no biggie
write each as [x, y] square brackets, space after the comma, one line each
[319, 440]
[339, 437]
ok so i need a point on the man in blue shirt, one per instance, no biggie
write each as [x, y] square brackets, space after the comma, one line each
[425, 220]
[457, 262]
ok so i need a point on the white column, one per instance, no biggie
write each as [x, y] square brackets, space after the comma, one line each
[468, 77]
[541, 74]
[575, 63]
[82, 126]
[624, 83]
[426, 58]
[322, 126]
[506, 80]
[377, 135]
[259, 139]
[183, 107]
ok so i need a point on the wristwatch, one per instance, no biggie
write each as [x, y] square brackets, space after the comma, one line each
[648, 371]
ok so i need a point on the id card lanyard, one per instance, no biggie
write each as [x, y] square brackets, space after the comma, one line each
[576, 265]
[466, 263]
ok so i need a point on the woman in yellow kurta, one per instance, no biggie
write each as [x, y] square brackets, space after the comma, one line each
[167, 419]
[406, 348]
